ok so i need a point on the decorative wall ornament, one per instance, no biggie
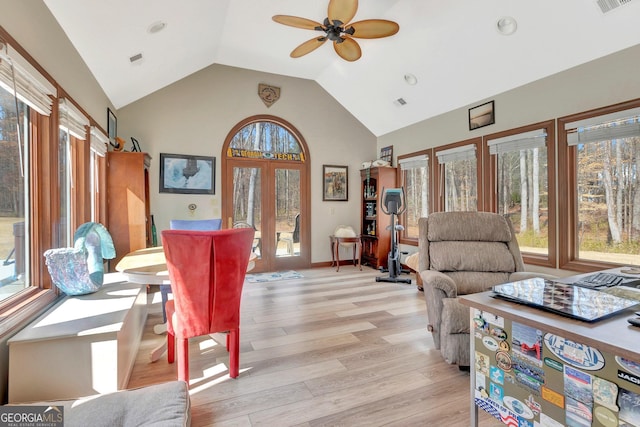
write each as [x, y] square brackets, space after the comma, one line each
[268, 94]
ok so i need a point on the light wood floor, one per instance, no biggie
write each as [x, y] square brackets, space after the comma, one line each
[332, 349]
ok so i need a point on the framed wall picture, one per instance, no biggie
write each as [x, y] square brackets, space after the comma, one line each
[482, 115]
[335, 181]
[386, 153]
[187, 174]
[112, 126]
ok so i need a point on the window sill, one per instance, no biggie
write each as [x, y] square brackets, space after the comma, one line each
[23, 307]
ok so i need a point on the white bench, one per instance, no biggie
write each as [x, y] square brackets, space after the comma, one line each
[83, 345]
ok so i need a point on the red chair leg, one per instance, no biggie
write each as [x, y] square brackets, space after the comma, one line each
[171, 348]
[233, 343]
[183, 360]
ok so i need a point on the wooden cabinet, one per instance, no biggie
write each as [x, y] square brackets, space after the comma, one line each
[376, 238]
[129, 214]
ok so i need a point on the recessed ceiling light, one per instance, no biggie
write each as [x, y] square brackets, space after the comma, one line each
[156, 27]
[506, 25]
[410, 79]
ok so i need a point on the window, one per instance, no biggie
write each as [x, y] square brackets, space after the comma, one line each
[14, 195]
[25, 104]
[72, 133]
[519, 187]
[459, 176]
[37, 194]
[603, 160]
[98, 142]
[414, 178]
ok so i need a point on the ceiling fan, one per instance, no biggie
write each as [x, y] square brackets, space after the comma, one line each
[336, 28]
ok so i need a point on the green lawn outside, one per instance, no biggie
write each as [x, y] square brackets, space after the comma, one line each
[7, 241]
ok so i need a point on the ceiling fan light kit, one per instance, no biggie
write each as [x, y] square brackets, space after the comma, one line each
[337, 28]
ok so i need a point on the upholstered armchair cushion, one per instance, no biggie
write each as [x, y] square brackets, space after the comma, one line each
[471, 256]
[469, 227]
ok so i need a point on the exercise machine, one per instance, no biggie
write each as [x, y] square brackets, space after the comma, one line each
[392, 203]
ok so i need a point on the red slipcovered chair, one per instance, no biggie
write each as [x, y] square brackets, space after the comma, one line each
[207, 271]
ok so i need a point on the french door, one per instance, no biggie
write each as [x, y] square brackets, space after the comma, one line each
[271, 197]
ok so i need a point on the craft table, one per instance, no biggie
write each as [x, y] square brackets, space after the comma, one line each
[532, 367]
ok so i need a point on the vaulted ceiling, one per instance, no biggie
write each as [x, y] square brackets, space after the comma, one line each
[452, 47]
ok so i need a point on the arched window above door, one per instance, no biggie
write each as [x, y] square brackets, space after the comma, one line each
[266, 139]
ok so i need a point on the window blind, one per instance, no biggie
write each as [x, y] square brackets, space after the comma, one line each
[621, 124]
[413, 162]
[98, 141]
[72, 119]
[465, 152]
[521, 141]
[31, 87]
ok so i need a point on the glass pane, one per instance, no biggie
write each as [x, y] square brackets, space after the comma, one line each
[416, 184]
[523, 196]
[247, 203]
[266, 140]
[64, 154]
[460, 186]
[608, 199]
[14, 227]
[94, 185]
[287, 212]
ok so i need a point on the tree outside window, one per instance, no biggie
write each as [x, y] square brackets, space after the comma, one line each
[415, 180]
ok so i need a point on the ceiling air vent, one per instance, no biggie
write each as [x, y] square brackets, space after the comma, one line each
[137, 57]
[609, 5]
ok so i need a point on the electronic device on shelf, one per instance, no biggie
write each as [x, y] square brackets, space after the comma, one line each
[565, 299]
[607, 280]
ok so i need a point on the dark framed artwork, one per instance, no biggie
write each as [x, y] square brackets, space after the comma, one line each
[187, 174]
[482, 115]
[386, 153]
[112, 126]
[335, 183]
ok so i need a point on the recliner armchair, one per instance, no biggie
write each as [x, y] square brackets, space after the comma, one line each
[463, 253]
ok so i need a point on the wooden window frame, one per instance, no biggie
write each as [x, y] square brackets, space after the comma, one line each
[439, 203]
[491, 190]
[567, 184]
[404, 239]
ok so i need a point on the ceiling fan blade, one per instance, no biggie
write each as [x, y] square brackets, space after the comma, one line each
[308, 46]
[349, 49]
[296, 21]
[342, 10]
[374, 28]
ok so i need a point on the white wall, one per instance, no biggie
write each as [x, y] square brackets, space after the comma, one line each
[195, 115]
